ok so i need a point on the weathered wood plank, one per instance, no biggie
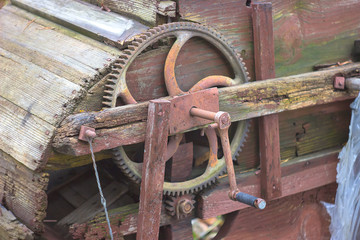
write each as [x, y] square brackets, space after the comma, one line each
[123, 222]
[60, 161]
[11, 228]
[269, 140]
[124, 219]
[42, 93]
[142, 10]
[31, 41]
[242, 102]
[306, 32]
[145, 85]
[318, 169]
[61, 29]
[24, 136]
[85, 18]
[22, 191]
[87, 210]
[153, 172]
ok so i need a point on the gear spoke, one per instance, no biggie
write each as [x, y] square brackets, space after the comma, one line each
[126, 96]
[212, 81]
[116, 86]
[173, 145]
[213, 144]
[169, 69]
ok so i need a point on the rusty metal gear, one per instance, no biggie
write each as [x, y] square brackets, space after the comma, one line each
[116, 87]
[180, 206]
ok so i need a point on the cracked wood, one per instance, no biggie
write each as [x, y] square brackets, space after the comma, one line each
[242, 102]
[269, 140]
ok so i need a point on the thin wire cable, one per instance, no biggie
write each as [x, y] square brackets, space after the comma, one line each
[103, 200]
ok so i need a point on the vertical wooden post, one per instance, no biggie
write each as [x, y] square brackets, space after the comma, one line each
[153, 171]
[268, 125]
[181, 167]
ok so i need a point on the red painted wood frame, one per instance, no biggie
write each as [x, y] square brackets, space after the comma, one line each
[153, 170]
[269, 140]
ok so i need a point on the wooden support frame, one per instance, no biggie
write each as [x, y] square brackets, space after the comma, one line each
[298, 175]
[153, 170]
[268, 125]
[318, 169]
[245, 101]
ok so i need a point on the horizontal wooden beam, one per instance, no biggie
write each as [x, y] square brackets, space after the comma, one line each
[317, 169]
[298, 175]
[126, 125]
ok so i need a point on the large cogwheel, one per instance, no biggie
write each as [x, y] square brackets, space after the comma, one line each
[117, 88]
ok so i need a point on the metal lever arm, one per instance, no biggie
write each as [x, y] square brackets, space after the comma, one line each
[222, 123]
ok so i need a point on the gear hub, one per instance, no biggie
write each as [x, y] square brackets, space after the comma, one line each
[117, 88]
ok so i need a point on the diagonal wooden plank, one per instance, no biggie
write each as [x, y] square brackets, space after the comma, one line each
[93, 206]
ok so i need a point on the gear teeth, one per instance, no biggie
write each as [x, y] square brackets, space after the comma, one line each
[140, 42]
[111, 81]
[127, 51]
[108, 97]
[110, 86]
[107, 103]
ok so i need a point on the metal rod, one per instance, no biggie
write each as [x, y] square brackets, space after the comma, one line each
[197, 112]
[224, 136]
[352, 83]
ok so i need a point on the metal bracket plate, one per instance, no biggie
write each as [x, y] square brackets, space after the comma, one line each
[180, 118]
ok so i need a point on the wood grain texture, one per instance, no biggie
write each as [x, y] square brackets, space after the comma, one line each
[242, 102]
[269, 140]
[62, 30]
[300, 216]
[85, 18]
[22, 191]
[305, 32]
[11, 228]
[58, 161]
[318, 169]
[24, 136]
[42, 93]
[142, 10]
[62, 54]
[123, 222]
[88, 209]
[41, 82]
[153, 172]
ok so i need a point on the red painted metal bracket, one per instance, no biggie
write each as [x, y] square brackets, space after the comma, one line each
[180, 118]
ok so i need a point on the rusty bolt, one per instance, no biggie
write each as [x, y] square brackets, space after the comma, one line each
[87, 133]
[223, 119]
[186, 206]
[339, 83]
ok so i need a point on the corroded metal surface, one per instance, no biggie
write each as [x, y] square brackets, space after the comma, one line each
[180, 118]
[117, 88]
